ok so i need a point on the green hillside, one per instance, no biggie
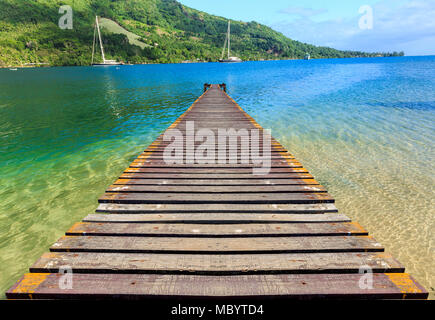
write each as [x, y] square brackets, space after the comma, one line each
[171, 32]
[113, 27]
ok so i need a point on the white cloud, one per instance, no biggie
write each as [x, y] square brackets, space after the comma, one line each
[409, 27]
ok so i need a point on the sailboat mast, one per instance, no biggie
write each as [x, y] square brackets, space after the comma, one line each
[101, 42]
[229, 35]
[225, 46]
[228, 42]
[93, 44]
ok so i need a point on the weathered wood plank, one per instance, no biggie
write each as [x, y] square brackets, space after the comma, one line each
[226, 142]
[239, 147]
[221, 176]
[216, 218]
[181, 162]
[229, 131]
[227, 170]
[216, 189]
[216, 182]
[159, 151]
[216, 230]
[203, 198]
[212, 208]
[145, 286]
[274, 152]
[342, 262]
[217, 245]
[216, 126]
[157, 163]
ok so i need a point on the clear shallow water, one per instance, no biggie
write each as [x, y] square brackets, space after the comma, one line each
[364, 127]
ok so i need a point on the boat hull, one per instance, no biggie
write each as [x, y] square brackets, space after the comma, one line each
[230, 61]
[106, 64]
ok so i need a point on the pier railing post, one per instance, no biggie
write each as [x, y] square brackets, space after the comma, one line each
[206, 86]
[223, 86]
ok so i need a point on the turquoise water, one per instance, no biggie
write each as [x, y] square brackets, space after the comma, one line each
[364, 127]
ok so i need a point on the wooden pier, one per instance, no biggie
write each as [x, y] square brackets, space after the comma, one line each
[216, 230]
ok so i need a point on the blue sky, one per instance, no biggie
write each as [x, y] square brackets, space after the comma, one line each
[407, 25]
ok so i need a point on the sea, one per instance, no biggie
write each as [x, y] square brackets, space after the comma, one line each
[364, 127]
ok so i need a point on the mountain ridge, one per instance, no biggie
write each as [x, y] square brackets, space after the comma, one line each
[29, 33]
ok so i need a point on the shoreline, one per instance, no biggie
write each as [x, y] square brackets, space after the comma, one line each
[46, 65]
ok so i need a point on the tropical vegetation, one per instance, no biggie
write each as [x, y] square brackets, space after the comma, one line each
[171, 32]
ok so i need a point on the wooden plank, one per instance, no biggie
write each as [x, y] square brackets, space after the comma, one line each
[274, 153]
[195, 170]
[216, 218]
[228, 133]
[220, 176]
[234, 146]
[216, 182]
[212, 208]
[181, 162]
[240, 129]
[216, 245]
[203, 198]
[146, 286]
[343, 262]
[221, 139]
[159, 149]
[216, 230]
[216, 117]
[216, 126]
[223, 142]
[216, 189]
[239, 165]
[224, 110]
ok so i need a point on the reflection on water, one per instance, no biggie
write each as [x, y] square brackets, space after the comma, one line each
[363, 127]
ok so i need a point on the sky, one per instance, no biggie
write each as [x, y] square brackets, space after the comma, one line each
[366, 25]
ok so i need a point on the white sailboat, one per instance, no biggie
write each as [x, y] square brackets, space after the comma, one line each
[105, 62]
[227, 41]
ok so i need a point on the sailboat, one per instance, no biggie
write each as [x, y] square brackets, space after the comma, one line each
[105, 62]
[227, 41]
